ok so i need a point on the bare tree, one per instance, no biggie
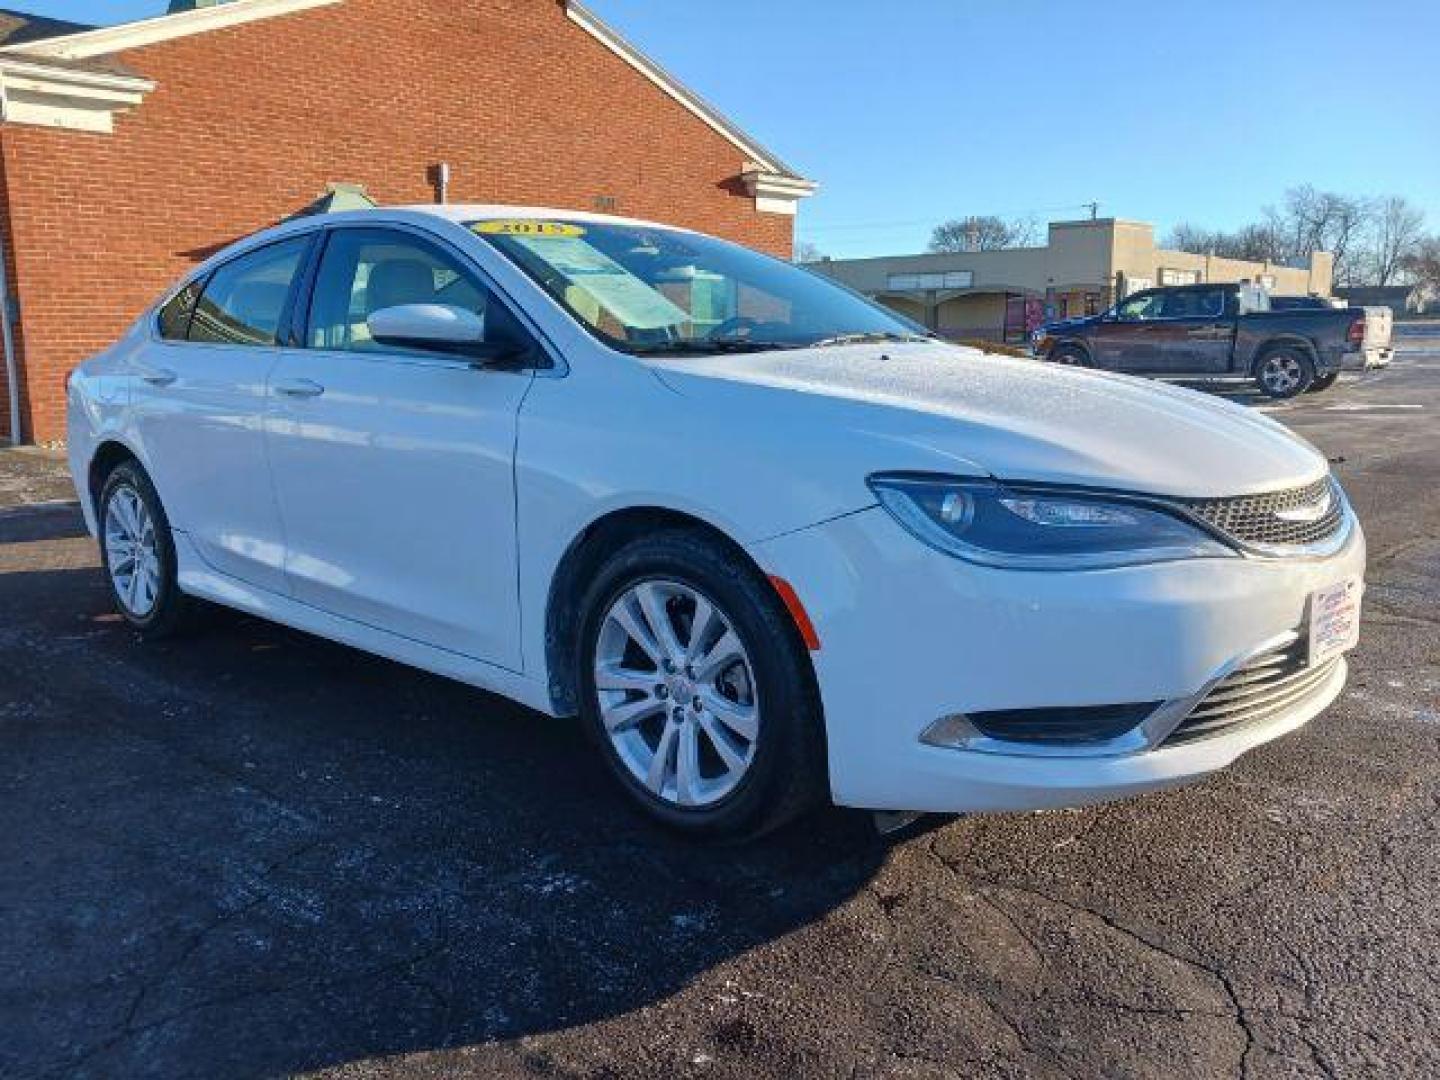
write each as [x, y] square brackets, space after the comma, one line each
[806, 252]
[1025, 232]
[1191, 238]
[1423, 264]
[1257, 243]
[1310, 220]
[984, 232]
[1398, 230]
[1371, 239]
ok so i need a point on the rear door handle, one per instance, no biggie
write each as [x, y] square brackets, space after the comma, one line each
[158, 376]
[299, 388]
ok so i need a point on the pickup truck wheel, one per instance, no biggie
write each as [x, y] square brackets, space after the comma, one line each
[1284, 373]
[1323, 382]
[1070, 356]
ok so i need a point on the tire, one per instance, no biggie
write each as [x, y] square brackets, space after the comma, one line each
[1070, 355]
[635, 710]
[1323, 382]
[1284, 373]
[148, 597]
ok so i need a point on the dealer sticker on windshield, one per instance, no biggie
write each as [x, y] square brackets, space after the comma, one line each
[527, 227]
[1334, 620]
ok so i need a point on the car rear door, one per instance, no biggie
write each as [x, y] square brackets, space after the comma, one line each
[198, 407]
[1193, 335]
[394, 468]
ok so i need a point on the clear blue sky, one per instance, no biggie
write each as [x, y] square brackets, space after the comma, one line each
[912, 111]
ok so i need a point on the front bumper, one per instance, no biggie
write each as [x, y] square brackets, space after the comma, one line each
[910, 636]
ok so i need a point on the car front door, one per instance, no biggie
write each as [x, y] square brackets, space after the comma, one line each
[1127, 339]
[198, 408]
[394, 466]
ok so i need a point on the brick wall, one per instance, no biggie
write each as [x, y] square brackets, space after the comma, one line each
[248, 124]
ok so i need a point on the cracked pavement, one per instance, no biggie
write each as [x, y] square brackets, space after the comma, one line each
[252, 852]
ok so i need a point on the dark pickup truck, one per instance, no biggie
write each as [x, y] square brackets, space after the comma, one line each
[1214, 332]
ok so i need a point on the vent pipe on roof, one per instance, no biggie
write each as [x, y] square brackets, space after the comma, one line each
[12, 366]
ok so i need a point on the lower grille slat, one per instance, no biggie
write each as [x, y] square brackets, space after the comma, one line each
[1264, 686]
[1225, 698]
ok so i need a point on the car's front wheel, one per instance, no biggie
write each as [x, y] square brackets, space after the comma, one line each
[1071, 356]
[138, 554]
[697, 687]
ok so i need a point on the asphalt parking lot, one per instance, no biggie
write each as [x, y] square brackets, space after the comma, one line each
[252, 852]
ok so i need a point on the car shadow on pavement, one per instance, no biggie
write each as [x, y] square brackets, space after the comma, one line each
[252, 851]
[45, 521]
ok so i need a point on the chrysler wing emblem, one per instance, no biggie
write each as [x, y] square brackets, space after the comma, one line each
[1306, 515]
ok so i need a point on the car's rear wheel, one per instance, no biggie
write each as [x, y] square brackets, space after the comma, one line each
[137, 551]
[1323, 382]
[698, 690]
[1284, 373]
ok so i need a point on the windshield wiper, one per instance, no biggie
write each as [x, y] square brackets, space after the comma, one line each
[863, 337]
[704, 347]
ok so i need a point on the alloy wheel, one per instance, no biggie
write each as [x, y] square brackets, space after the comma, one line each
[1281, 374]
[677, 693]
[132, 551]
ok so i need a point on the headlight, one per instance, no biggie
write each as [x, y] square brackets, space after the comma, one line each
[1034, 528]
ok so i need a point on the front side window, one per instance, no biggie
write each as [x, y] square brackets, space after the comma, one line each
[652, 290]
[244, 300]
[1141, 307]
[368, 270]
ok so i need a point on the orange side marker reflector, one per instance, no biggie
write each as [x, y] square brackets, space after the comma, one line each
[797, 612]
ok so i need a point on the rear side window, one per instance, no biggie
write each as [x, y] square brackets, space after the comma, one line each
[175, 316]
[245, 299]
[1195, 304]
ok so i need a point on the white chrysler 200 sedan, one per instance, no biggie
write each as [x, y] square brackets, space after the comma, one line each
[768, 540]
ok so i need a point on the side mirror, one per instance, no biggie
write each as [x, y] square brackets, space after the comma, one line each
[439, 328]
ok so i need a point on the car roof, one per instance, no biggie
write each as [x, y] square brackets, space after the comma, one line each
[458, 213]
[1196, 287]
[467, 212]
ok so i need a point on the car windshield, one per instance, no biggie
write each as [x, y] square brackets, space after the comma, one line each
[656, 291]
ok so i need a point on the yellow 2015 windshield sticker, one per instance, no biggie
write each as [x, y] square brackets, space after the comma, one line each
[527, 227]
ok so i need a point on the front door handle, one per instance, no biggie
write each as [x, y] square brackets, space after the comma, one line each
[299, 388]
[158, 376]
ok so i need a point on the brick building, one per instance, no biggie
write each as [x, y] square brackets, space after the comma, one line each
[129, 152]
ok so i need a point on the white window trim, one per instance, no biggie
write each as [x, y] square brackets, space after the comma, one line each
[775, 193]
[48, 96]
[134, 35]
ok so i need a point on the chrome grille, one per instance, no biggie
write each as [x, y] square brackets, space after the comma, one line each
[1256, 521]
[1268, 684]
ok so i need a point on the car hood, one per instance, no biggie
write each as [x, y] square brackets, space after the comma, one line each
[943, 408]
[1069, 326]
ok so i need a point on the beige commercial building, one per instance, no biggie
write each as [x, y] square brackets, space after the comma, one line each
[1083, 269]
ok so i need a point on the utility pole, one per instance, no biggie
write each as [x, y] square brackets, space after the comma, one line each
[1094, 209]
